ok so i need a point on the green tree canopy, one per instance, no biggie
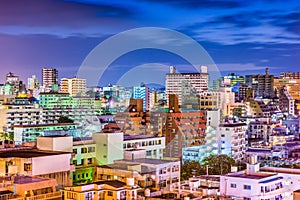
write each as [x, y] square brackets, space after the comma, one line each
[190, 169]
[218, 164]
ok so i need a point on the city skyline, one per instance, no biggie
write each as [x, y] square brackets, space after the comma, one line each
[240, 37]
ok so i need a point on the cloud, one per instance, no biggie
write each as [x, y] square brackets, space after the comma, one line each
[55, 16]
[196, 4]
[248, 27]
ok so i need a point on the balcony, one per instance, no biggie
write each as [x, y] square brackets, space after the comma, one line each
[45, 196]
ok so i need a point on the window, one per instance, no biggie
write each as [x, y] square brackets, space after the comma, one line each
[246, 198]
[109, 193]
[233, 185]
[75, 151]
[84, 150]
[91, 149]
[90, 160]
[148, 153]
[27, 167]
[247, 187]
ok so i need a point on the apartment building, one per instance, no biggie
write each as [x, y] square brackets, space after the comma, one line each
[49, 78]
[154, 173]
[154, 146]
[35, 162]
[28, 187]
[180, 83]
[232, 139]
[262, 84]
[18, 115]
[74, 86]
[29, 133]
[103, 190]
[252, 184]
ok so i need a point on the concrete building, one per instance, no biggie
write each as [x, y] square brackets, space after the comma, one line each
[205, 100]
[18, 115]
[13, 81]
[154, 173]
[74, 86]
[33, 83]
[28, 187]
[142, 92]
[49, 78]
[259, 133]
[231, 138]
[35, 162]
[286, 102]
[29, 133]
[178, 83]
[108, 190]
[280, 136]
[85, 161]
[199, 187]
[290, 75]
[109, 147]
[262, 84]
[252, 184]
[260, 183]
[232, 79]
[182, 130]
[154, 146]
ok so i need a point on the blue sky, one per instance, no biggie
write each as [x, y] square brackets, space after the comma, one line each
[240, 36]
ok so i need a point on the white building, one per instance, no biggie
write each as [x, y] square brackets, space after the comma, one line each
[109, 147]
[176, 82]
[260, 184]
[32, 162]
[154, 146]
[13, 115]
[232, 139]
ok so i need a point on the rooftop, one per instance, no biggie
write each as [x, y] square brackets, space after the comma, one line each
[137, 137]
[27, 179]
[148, 161]
[42, 125]
[280, 170]
[256, 176]
[29, 153]
[113, 183]
[5, 192]
[234, 124]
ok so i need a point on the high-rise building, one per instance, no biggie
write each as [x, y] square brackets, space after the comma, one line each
[286, 102]
[231, 138]
[290, 75]
[13, 81]
[49, 78]
[142, 92]
[33, 83]
[232, 79]
[262, 84]
[74, 86]
[177, 83]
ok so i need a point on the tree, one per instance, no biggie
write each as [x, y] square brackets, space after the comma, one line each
[64, 119]
[218, 164]
[190, 169]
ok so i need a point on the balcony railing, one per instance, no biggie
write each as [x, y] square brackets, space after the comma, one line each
[45, 196]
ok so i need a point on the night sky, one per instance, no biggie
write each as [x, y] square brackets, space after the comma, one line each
[240, 36]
